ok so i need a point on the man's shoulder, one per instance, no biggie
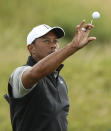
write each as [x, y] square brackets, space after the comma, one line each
[19, 70]
[17, 74]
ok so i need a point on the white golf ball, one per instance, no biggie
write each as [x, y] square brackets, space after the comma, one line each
[95, 15]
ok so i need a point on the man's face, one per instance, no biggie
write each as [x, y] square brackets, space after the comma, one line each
[44, 46]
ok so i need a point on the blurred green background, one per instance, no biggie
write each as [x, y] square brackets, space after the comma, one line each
[87, 73]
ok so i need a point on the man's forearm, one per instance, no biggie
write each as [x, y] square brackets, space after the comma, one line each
[52, 61]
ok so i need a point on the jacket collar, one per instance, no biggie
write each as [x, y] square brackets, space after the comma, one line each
[31, 61]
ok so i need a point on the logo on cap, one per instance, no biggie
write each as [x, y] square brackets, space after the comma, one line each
[48, 27]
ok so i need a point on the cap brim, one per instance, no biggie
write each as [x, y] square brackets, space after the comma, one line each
[58, 31]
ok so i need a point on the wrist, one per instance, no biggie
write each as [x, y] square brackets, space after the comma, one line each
[74, 45]
[71, 48]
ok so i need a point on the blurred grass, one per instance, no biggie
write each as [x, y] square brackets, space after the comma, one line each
[23, 15]
[89, 89]
[87, 72]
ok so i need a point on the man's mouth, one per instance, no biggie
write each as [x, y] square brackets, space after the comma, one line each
[52, 51]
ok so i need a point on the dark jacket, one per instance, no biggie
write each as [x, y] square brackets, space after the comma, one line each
[45, 108]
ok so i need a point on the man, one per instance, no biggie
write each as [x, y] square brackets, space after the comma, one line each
[37, 93]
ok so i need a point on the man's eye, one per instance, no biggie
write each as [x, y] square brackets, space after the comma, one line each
[55, 41]
[47, 41]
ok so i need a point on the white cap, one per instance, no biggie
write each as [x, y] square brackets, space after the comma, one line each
[41, 30]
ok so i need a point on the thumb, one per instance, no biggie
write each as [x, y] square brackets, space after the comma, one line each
[91, 39]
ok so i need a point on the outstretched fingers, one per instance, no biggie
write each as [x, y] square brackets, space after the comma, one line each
[84, 27]
[82, 23]
[91, 39]
[78, 27]
[89, 26]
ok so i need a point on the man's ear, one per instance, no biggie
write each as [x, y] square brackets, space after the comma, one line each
[30, 48]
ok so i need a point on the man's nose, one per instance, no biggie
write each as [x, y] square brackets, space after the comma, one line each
[53, 45]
